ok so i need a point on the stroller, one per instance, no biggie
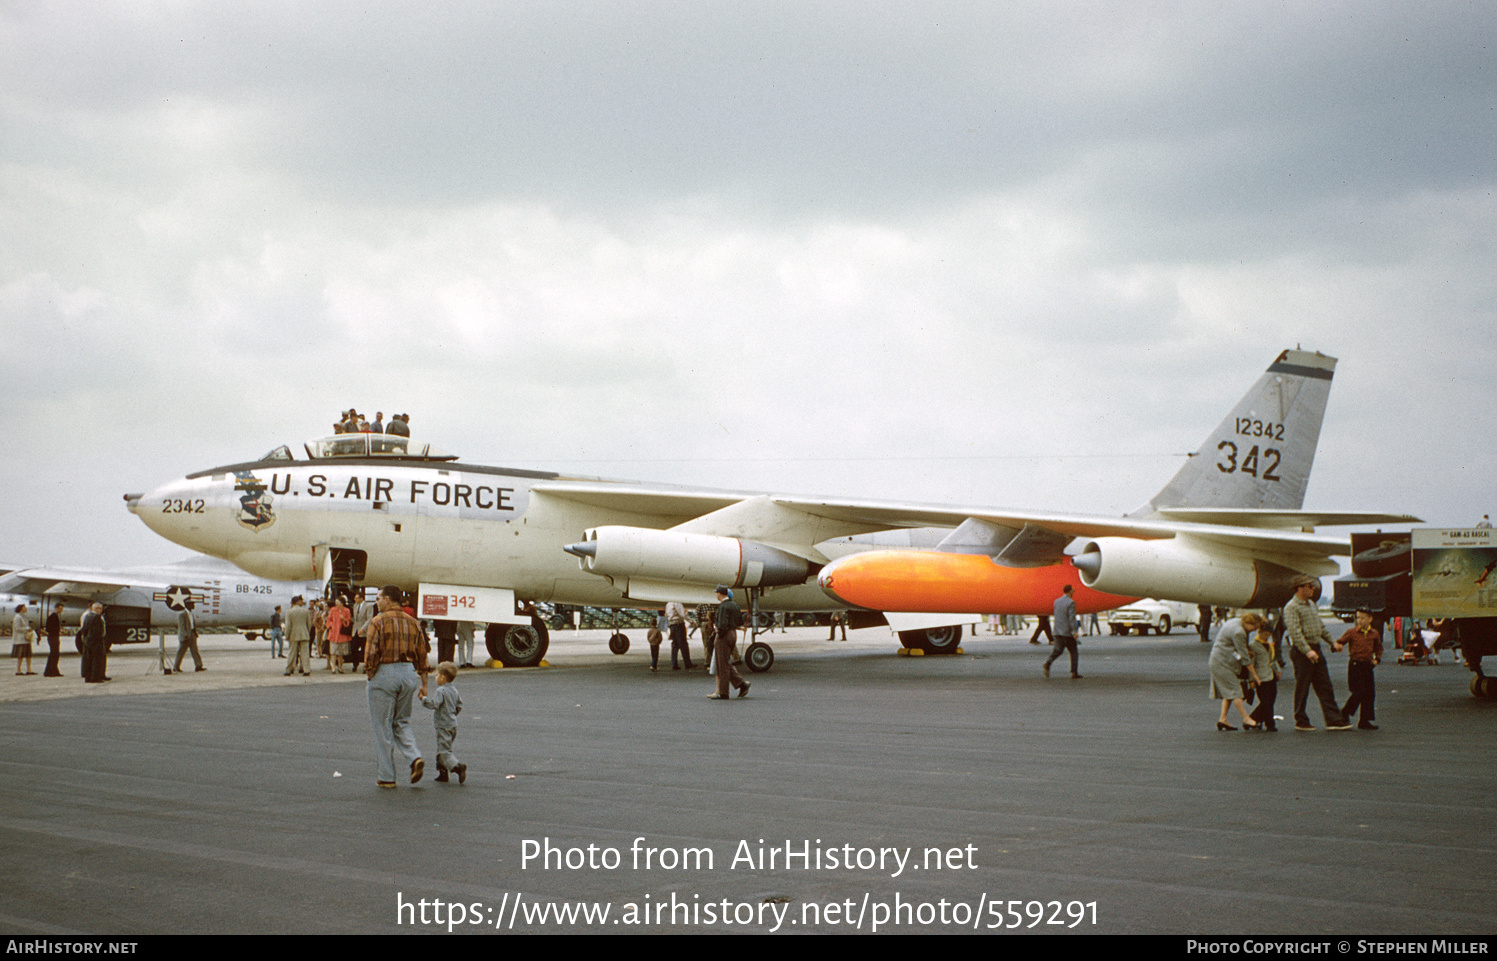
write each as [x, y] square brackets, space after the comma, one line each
[1419, 647]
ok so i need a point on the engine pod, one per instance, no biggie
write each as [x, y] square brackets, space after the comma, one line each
[1182, 569]
[640, 552]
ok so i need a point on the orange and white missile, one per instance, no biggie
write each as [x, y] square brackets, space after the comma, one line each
[938, 582]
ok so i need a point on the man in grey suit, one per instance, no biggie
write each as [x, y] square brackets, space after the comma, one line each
[299, 637]
[1065, 624]
[187, 638]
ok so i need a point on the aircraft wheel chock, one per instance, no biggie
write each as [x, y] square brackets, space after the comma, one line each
[759, 657]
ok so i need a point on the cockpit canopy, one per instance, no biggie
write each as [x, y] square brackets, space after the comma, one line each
[341, 446]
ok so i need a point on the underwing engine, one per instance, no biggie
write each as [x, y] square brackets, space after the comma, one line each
[1186, 569]
[675, 556]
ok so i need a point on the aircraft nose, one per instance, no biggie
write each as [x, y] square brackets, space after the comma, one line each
[185, 511]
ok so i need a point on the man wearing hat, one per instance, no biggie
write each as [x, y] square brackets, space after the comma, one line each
[1302, 625]
[729, 620]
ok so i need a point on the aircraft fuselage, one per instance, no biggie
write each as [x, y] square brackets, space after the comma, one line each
[444, 523]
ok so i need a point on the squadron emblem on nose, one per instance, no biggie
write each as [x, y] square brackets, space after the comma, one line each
[254, 504]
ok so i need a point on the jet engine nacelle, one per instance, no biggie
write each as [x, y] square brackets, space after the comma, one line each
[639, 552]
[1184, 570]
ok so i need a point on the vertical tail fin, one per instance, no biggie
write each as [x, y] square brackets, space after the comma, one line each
[1261, 455]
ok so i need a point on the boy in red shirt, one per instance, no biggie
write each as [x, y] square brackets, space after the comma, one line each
[1364, 651]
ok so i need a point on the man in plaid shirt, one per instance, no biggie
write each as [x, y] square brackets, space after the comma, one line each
[395, 661]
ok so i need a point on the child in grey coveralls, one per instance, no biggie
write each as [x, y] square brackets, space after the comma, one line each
[448, 704]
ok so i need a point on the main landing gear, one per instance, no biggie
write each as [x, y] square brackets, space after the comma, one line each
[934, 640]
[518, 645]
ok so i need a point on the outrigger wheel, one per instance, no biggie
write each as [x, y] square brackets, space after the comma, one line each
[758, 657]
[619, 643]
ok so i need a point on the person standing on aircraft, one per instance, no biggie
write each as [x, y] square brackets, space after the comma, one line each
[675, 619]
[378, 427]
[21, 636]
[1230, 658]
[1066, 623]
[299, 637]
[398, 426]
[1265, 672]
[54, 640]
[1302, 624]
[729, 620]
[187, 638]
[91, 634]
[395, 661]
[1043, 627]
[1364, 651]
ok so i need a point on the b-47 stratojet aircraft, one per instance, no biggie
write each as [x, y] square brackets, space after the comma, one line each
[480, 542]
[137, 599]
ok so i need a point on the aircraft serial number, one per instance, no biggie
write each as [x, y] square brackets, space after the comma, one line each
[183, 507]
[1248, 427]
[253, 589]
[1250, 464]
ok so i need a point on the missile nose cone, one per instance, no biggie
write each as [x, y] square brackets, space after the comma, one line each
[1089, 564]
[582, 549]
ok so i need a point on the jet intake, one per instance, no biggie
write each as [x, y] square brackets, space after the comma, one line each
[676, 556]
[1185, 569]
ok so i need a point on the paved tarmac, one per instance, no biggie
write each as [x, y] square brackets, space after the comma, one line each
[237, 801]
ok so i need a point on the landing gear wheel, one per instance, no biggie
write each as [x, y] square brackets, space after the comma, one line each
[1483, 686]
[763, 621]
[1476, 680]
[758, 657]
[517, 645]
[619, 643]
[935, 640]
[1164, 625]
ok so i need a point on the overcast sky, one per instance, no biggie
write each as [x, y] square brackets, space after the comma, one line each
[1023, 255]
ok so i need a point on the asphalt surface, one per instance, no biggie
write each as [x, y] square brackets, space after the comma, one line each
[237, 801]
